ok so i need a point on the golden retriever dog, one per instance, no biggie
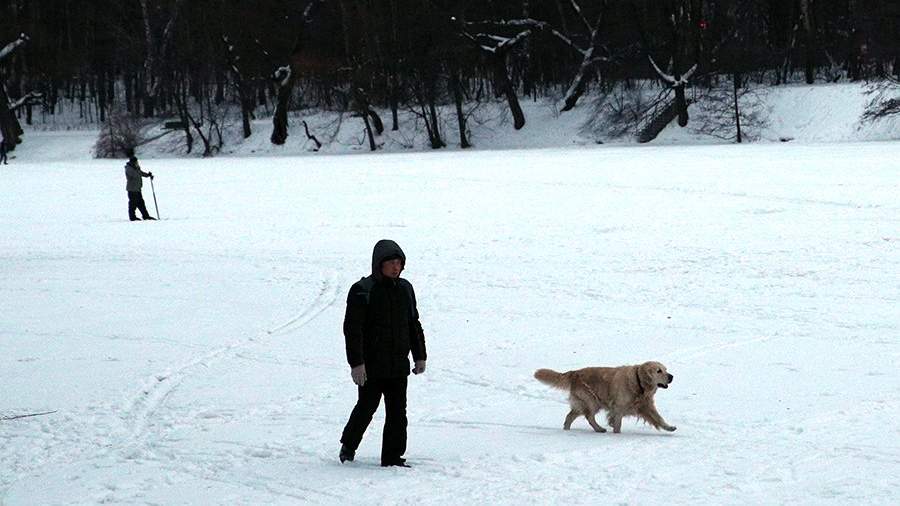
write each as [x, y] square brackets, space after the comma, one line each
[621, 391]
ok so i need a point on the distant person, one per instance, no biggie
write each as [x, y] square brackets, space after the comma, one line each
[133, 175]
[381, 328]
[3, 152]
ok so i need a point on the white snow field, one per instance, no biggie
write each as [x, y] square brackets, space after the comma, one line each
[200, 360]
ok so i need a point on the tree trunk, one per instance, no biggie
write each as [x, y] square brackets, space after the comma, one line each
[737, 112]
[285, 83]
[809, 38]
[245, 116]
[128, 98]
[149, 103]
[261, 96]
[504, 87]
[101, 96]
[244, 94]
[579, 84]
[372, 146]
[279, 119]
[681, 106]
[395, 103]
[586, 69]
[220, 90]
[10, 128]
[527, 70]
[181, 106]
[460, 116]
[438, 141]
[9, 124]
[376, 121]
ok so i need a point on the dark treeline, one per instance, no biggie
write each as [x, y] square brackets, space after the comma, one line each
[184, 58]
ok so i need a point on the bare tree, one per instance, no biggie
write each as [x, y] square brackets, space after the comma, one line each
[676, 82]
[591, 55]
[157, 48]
[681, 41]
[497, 49]
[207, 118]
[424, 90]
[732, 112]
[245, 94]
[10, 128]
[286, 75]
[361, 54]
[456, 91]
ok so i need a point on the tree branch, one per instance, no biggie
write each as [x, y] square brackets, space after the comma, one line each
[12, 46]
[31, 98]
[526, 22]
[500, 43]
[580, 14]
[665, 77]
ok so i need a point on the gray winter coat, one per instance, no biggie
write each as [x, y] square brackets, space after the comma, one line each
[133, 174]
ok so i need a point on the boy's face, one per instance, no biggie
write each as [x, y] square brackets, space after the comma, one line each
[392, 268]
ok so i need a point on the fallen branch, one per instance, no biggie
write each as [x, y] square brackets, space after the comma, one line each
[312, 137]
[16, 417]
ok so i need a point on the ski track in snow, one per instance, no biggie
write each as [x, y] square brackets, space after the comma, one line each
[158, 387]
[72, 437]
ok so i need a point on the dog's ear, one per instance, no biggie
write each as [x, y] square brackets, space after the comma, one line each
[645, 375]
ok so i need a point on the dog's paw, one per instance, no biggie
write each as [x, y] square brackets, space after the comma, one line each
[670, 428]
[600, 430]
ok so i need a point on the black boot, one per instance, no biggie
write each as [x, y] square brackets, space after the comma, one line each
[346, 454]
[398, 462]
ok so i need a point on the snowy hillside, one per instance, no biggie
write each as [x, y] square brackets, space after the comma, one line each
[799, 113]
[199, 359]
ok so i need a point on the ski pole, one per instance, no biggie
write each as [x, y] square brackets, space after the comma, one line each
[158, 217]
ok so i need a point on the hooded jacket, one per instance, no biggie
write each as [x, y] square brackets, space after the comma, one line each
[133, 174]
[381, 325]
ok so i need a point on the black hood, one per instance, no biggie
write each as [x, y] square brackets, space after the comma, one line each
[383, 250]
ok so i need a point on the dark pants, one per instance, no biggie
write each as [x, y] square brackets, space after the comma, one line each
[393, 441]
[136, 201]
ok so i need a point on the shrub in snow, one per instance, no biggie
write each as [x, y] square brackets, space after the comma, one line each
[620, 111]
[120, 134]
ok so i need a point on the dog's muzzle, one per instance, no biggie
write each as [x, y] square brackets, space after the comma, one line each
[666, 385]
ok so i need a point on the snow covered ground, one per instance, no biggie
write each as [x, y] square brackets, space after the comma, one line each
[199, 359]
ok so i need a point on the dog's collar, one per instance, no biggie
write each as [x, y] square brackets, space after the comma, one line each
[637, 374]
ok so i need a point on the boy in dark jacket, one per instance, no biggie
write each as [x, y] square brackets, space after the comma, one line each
[381, 328]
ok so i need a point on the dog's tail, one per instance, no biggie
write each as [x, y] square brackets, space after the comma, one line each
[555, 379]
